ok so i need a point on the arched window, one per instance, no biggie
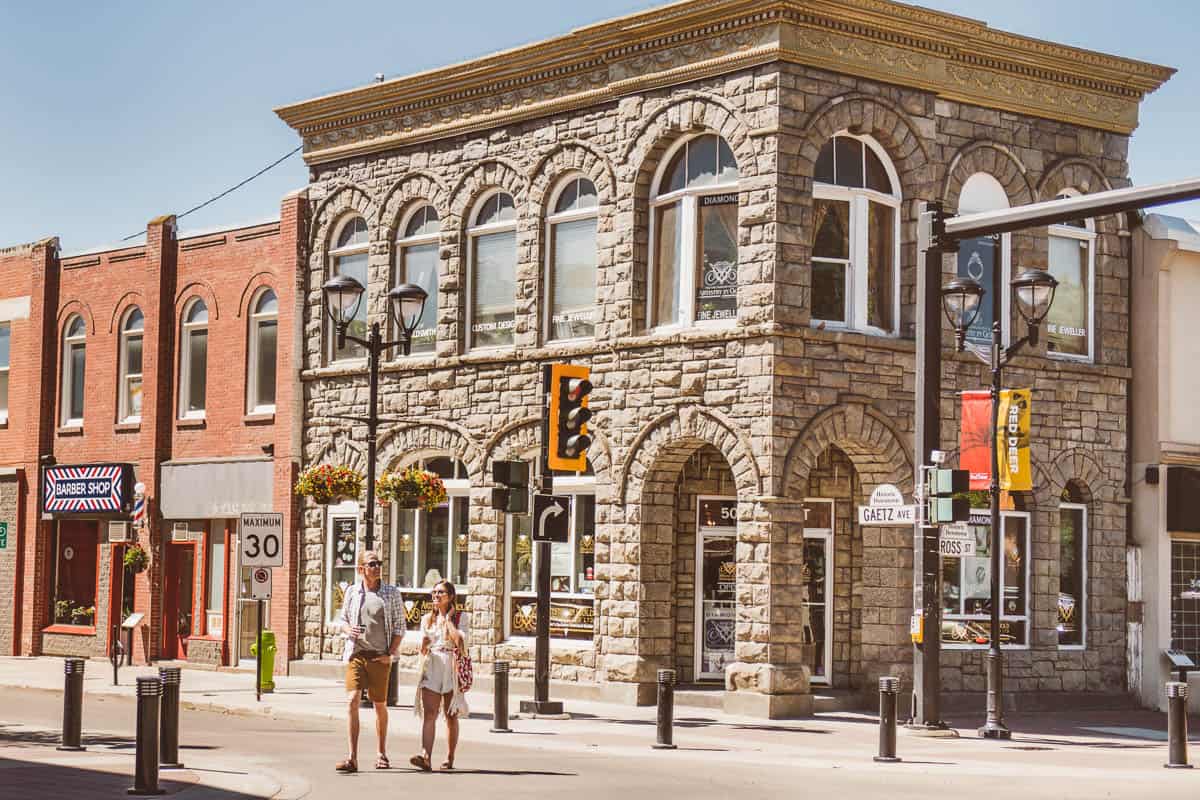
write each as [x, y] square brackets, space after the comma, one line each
[1072, 260]
[193, 360]
[492, 288]
[417, 263]
[695, 206]
[349, 257]
[986, 259]
[263, 350]
[73, 371]
[129, 370]
[428, 546]
[571, 261]
[856, 237]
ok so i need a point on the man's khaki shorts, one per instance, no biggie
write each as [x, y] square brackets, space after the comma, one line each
[363, 672]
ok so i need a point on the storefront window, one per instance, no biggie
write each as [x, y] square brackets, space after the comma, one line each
[214, 580]
[967, 585]
[75, 567]
[572, 566]
[1072, 574]
[343, 552]
[1185, 597]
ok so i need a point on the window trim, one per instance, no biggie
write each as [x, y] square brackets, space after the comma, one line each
[399, 245]
[1082, 602]
[552, 219]
[475, 232]
[689, 220]
[1086, 234]
[455, 487]
[332, 270]
[857, 278]
[1028, 615]
[124, 412]
[186, 331]
[257, 319]
[69, 343]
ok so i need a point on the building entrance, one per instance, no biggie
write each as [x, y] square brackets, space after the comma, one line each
[179, 582]
[818, 585]
[716, 585]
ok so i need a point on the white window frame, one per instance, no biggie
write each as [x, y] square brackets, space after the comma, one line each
[552, 219]
[1084, 234]
[455, 487]
[5, 368]
[475, 232]
[1028, 616]
[1081, 602]
[186, 331]
[335, 255]
[70, 343]
[257, 320]
[577, 484]
[857, 279]
[828, 535]
[401, 244]
[689, 221]
[125, 377]
[347, 508]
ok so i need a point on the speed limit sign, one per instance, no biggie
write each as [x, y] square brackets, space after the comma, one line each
[261, 536]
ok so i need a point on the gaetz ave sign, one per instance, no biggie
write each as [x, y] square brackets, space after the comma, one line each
[87, 489]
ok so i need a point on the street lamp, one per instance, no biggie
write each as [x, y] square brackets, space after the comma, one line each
[406, 304]
[1034, 289]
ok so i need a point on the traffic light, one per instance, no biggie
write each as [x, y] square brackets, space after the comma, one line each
[512, 495]
[940, 487]
[569, 389]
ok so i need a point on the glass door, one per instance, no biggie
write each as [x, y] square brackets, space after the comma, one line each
[716, 586]
[818, 586]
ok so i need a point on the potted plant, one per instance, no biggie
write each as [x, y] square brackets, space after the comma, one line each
[412, 487]
[62, 610]
[330, 483]
[81, 615]
[136, 559]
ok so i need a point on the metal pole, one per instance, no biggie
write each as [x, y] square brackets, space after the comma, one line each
[259, 655]
[374, 346]
[888, 689]
[72, 704]
[995, 728]
[1177, 736]
[666, 710]
[500, 697]
[115, 656]
[168, 736]
[145, 770]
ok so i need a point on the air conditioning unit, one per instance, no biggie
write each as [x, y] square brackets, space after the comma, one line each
[118, 532]
[181, 533]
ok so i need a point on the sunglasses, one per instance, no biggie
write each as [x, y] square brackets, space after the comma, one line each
[438, 591]
[373, 564]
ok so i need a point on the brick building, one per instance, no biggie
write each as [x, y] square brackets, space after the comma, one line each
[712, 204]
[166, 365]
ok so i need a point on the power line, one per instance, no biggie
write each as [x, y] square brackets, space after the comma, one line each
[211, 200]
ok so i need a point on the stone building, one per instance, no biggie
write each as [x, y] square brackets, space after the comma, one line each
[712, 204]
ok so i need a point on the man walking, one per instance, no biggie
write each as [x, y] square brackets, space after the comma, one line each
[372, 620]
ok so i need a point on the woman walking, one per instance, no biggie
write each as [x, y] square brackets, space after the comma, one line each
[444, 637]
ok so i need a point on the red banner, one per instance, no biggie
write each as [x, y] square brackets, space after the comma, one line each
[974, 448]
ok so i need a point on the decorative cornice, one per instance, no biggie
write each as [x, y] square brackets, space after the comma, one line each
[955, 57]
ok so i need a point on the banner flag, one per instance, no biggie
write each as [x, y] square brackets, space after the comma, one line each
[974, 448]
[1012, 440]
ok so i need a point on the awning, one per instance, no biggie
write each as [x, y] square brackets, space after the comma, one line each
[214, 489]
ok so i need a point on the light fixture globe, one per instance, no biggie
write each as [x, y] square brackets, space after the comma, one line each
[343, 295]
[407, 303]
[961, 302]
[1034, 289]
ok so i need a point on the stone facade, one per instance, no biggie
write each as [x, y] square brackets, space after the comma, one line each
[772, 409]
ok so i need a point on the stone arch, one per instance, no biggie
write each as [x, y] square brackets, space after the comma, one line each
[76, 307]
[409, 190]
[259, 280]
[567, 157]
[400, 442]
[675, 436]
[995, 159]
[522, 436]
[1080, 467]
[201, 289]
[1084, 177]
[487, 174]
[131, 298]
[346, 198]
[866, 437]
[343, 449]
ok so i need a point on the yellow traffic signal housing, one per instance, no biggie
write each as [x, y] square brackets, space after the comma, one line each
[569, 390]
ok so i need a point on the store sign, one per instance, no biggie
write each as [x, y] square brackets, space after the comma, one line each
[978, 259]
[90, 489]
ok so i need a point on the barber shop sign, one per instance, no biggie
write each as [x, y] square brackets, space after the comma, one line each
[87, 489]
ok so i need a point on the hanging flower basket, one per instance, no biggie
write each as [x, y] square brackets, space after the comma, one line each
[413, 487]
[329, 483]
[136, 559]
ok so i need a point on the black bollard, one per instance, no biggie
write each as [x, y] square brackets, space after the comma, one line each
[115, 656]
[666, 710]
[393, 694]
[168, 737]
[500, 697]
[145, 769]
[1177, 735]
[72, 704]
[888, 689]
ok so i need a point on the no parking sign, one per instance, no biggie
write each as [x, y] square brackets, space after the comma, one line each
[260, 583]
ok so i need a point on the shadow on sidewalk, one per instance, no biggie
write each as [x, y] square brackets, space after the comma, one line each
[11, 736]
[706, 722]
[37, 780]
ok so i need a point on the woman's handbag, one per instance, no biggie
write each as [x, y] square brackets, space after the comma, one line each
[464, 670]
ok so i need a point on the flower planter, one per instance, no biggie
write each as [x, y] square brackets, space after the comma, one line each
[328, 484]
[413, 488]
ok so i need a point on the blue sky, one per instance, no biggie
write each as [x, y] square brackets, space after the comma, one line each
[118, 112]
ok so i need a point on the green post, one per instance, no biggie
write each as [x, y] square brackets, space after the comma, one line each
[267, 660]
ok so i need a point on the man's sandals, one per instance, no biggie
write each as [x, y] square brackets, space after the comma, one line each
[421, 762]
[382, 762]
[347, 767]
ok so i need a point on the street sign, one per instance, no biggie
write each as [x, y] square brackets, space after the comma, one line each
[3, 535]
[550, 517]
[260, 583]
[887, 515]
[262, 540]
[886, 496]
[956, 540]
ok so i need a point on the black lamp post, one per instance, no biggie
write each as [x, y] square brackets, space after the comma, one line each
[1034, 289]
[406, 304]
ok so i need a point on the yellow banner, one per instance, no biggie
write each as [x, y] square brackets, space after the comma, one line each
[1012, 440]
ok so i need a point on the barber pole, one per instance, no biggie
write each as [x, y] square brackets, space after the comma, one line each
[139, 505]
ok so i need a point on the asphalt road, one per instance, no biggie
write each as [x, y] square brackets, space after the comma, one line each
[604, 758]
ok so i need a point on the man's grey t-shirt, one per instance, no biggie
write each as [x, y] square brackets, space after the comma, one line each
[376, 636]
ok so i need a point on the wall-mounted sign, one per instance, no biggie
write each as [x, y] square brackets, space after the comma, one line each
[88, 489]
[979, 259]
[718, 513]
